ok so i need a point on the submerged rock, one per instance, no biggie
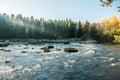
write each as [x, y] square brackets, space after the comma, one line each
[70, 50]
[26, 47]
[7, 50]
[57, 49]
[4, 44]
[66, 42]
[38, 52]
[13, 66]
[25, 44]
[23, 51]
[2, 49]
[7, 62]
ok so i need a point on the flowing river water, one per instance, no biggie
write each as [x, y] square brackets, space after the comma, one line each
[28, 62]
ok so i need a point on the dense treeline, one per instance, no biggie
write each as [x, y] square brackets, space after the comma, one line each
[24, 27]
[19, 27]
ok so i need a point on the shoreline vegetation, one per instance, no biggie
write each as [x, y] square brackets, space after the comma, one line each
[113, 45]
[19, 27]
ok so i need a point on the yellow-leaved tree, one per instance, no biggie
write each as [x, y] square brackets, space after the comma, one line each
[111, 27]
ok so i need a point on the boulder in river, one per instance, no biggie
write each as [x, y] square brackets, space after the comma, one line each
[47, 47]
[4, 44]
[23, 51]
[7, 50]
[7, 62]
[66, 42]
[42, 48]
[70, 50]
[46, 50]
[26, 47]
[2, 49]
[25, 44]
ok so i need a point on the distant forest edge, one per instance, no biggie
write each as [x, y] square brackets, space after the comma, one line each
[19, 27]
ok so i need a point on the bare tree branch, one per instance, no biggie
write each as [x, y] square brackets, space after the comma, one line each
[107, 3]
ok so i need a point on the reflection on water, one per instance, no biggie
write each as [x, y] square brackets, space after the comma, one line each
[92, 62]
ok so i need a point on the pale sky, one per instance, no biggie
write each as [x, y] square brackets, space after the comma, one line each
[59, 9]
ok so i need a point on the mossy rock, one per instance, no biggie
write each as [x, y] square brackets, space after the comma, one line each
[70, 50]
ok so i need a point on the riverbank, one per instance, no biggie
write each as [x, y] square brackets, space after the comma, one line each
[40, 41]
[113, 46]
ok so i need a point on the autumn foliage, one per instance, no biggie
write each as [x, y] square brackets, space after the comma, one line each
[111, 27]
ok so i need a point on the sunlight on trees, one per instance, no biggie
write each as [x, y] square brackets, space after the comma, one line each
[111, 27]
[18, 27]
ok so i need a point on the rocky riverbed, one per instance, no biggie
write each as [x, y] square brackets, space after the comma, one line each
[27, 62]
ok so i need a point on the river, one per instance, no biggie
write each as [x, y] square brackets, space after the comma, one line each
[28, 62]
